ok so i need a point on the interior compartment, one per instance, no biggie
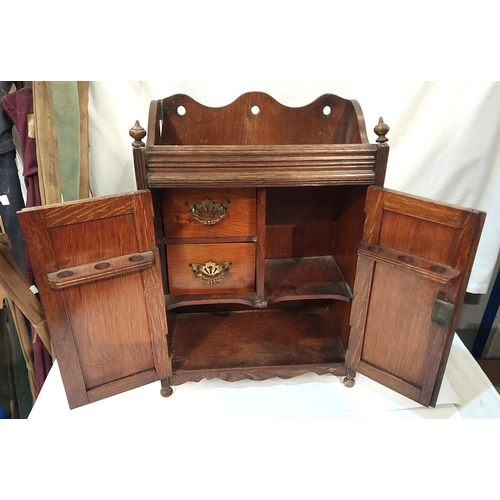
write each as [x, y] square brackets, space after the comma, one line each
[255, 338]
[305, 237]
[310, 239]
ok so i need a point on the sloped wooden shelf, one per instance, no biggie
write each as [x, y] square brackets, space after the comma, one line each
[305, 278]
[179, 301]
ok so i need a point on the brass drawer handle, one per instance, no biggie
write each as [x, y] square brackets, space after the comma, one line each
[207, 212]
[210, 273]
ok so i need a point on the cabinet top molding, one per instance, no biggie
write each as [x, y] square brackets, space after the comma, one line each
[258, 141]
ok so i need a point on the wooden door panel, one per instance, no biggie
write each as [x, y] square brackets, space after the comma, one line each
[414, 251]
[104, 336]
[73, 250]
[97, 269]
[419, 226]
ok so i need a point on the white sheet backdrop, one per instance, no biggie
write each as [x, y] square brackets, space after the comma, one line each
[444, 137]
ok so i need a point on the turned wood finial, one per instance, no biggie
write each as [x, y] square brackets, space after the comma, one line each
[137, 133]
[381, 129]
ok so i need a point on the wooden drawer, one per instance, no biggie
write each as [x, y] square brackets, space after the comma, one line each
[186, 260]
[228, 212]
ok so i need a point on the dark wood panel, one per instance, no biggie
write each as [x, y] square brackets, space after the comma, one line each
[388, 380]
[350, 219]
[394, 327]
[105, 333]
[303, 279]
[112, 336]
[177, 301]
[38, 246]
[414, 225]
[404, 350]
[239, 219]
[261, 245]
[255, 339]
[122, 385]
[417, 237]
[81, 243]
[257, 118]
[152, 286]
[73, 212]
[300, 222]
[215, 239]
[240, 278]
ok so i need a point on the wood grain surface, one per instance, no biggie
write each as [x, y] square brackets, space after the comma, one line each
[241, 276]
[239, 220]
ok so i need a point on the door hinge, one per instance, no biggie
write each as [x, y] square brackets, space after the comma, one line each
[443, 310]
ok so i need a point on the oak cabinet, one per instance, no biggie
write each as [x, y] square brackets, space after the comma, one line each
[261, 243]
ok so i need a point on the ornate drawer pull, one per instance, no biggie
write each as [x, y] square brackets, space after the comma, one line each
[208, 212]
[211, 273]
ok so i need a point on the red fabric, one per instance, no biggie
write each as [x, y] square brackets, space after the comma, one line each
[18, 105]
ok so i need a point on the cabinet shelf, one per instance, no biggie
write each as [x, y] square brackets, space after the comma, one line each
[178, 301]
[256, 338]
[305, 279]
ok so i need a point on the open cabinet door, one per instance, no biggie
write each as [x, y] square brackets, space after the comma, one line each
[97, 270]
[413, 267]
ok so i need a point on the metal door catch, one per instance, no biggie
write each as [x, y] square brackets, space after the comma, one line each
[443, 310]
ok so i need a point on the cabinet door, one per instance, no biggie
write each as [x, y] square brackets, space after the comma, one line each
[97, 269]
[413, 267]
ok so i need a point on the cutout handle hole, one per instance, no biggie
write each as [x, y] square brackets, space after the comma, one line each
[102, 265]
[255, 110]
[181, 110]
[438, 269]
[65, 274]
[136, 258]
[405, 258]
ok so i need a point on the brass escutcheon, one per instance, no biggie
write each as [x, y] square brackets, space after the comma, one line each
[208, 212]
[210, 273]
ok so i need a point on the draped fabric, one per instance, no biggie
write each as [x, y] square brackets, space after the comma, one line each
[19, 106]
[23, 304]
[60, 112]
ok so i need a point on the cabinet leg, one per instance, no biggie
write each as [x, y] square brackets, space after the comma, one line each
[349, 379]
[166, 388]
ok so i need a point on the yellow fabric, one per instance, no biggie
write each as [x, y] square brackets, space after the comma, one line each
[83, 99]
[47, 153]
[61, 133]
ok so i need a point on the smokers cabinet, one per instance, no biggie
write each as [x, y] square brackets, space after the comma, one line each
[260, 243]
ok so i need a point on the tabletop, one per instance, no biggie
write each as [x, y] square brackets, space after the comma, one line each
[466, 393]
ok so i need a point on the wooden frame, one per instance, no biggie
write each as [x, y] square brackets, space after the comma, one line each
[107, 247]
[333, 274]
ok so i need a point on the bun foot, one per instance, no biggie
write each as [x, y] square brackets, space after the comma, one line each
[166, 392]
[166, 388]
[349, 382]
